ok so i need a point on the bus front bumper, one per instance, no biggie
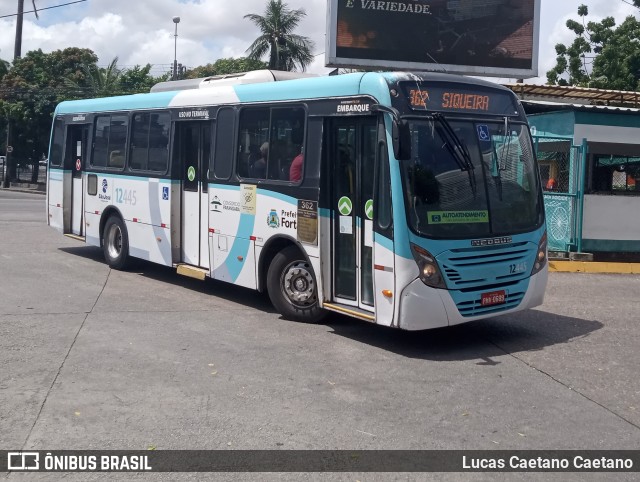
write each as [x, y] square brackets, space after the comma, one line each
[423, 308]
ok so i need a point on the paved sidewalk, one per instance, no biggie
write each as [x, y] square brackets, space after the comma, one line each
[26, 188]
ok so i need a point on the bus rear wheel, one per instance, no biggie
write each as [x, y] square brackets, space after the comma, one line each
[292, 287]
[115, 243]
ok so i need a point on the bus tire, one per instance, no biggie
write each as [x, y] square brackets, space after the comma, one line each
[292, 287]
[115, 243]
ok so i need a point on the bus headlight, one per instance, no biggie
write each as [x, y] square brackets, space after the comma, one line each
[541, 255]
[428, 267]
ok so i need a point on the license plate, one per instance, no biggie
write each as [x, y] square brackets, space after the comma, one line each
[494, 298]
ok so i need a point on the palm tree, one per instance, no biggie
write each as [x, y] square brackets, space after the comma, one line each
[98, 82]
[287, 51]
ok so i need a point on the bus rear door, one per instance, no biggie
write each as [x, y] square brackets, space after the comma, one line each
[193, 151]
[75, 159]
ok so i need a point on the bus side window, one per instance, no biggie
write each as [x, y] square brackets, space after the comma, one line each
[270, 139]
[101, 141]
[139, 155]
[254, 131]
[287, 138]
[118, 140]
[57, 146]
[223, 154]
[110, 140]
[159, 128]
[150, 142]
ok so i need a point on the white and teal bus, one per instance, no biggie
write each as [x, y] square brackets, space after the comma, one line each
[408, 200]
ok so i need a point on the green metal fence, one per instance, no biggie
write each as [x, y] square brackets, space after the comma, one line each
[561, 171]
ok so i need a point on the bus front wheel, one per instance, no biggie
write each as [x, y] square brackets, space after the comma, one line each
[115, 243]
[292, 287]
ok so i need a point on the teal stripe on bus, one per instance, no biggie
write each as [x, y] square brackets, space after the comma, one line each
[225, 187]
[241, 245]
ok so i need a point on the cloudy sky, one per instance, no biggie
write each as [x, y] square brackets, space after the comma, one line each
[141, 31]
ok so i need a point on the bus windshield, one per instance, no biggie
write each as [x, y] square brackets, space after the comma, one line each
[471, 178]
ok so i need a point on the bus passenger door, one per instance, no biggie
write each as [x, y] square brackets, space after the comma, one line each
[193, 148]
[353, 151]
[75, 159]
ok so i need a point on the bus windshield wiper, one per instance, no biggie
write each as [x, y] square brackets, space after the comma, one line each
[504, 155]
[456, 148]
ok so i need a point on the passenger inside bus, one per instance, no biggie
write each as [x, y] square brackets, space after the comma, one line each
[116, 159]
[259, 167]
[295, 170]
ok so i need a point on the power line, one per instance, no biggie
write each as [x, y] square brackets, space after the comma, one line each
[45, 8]
[629, 3]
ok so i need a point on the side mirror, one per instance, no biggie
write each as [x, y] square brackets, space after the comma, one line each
[401, 136]
[400, 132]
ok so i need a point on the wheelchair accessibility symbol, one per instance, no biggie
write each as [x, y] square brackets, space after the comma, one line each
[483, 133]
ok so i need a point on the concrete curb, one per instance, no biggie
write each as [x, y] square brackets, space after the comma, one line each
[593, 267]
[28, 191]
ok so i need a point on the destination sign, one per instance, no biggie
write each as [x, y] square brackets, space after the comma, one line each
[194, 113]
[459, 98]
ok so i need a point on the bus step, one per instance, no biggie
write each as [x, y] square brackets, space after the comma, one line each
[350, 310]
[76, 237]
[192, 271]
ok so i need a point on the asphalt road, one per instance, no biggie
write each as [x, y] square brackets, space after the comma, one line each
[92, 358]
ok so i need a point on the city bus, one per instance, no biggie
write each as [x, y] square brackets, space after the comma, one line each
[410, 200]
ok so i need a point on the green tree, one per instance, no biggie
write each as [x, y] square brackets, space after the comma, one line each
[286, 50]
[226, 66]
[4, 68]
[602, 55]
[111, 80]
[29, 93]
[137, 80]
[97, 81]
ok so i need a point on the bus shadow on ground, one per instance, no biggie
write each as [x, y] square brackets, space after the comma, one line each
[484, 340]
[165, 274]
[88, 252]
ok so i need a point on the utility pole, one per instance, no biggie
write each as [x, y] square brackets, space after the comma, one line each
[17, 53]
[10, 171]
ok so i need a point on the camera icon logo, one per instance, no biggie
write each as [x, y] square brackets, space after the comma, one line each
[23, 461]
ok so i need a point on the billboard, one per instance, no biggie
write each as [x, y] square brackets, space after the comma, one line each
[475, 37]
